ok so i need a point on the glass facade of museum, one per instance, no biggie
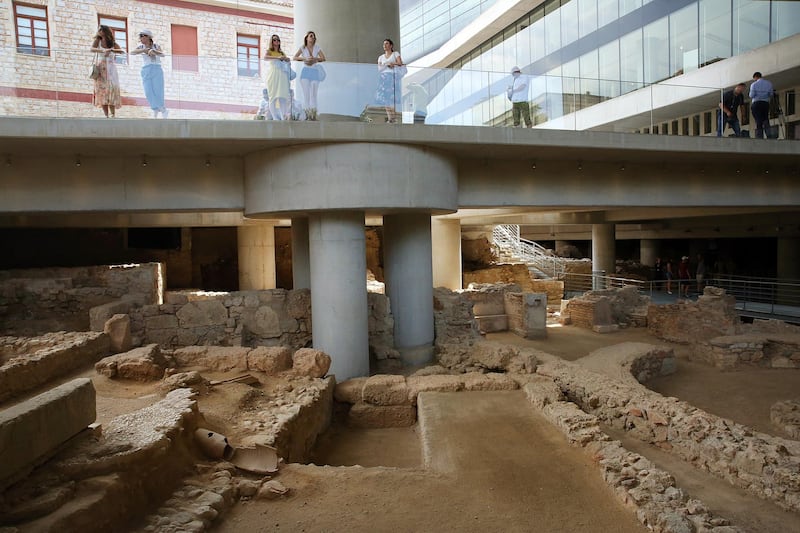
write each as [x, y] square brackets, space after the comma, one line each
[600, 49]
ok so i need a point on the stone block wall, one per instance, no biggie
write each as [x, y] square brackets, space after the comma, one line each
[713, 315]
[768, 350]
[218, 88]
[589, 311]
[246, 318]
[70, 292]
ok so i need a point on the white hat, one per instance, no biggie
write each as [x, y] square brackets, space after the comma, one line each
[146, 32]
[685, 258]
[515, 69]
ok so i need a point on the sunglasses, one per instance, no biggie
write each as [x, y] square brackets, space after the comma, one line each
[276, 40]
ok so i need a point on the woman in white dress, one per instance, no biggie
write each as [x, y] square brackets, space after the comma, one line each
[388, 94]
[311, 55]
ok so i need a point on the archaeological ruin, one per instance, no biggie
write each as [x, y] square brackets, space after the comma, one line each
[125, 406]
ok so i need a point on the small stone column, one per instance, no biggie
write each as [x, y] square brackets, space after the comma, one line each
[339, 313]
[446, 246]
[409, 284]
[256, 257]
[603, 253]
[301, 269]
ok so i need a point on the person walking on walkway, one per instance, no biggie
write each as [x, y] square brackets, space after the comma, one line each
[684, 276]
[760, 93]
[669, 274]
[106, 85]
[152, 74]
[517, 93]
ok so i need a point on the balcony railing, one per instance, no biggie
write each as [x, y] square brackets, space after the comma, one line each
[57, 85]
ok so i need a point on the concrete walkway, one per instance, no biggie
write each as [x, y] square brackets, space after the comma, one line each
[498, 442]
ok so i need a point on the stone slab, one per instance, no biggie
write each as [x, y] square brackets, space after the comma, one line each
[34, 429]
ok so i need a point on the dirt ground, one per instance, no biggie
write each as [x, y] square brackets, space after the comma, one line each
[554, 489]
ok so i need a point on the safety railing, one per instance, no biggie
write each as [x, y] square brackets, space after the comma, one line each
[507, 241]
[58, 85]
[755, 296]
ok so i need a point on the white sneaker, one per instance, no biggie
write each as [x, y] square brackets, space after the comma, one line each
[165, 113]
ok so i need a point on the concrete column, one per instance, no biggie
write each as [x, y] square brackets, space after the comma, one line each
[603, 251]
[337, 253]
[788, 267]
[301, 268]
[256, 257]
[788, 258]
[350, 31]
[407, 258]
[446, 246]
[648, 251]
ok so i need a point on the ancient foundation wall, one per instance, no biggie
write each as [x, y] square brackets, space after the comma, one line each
[69, 293]
[764, 465]
[246, 318]
[713, 315]
[29, 363]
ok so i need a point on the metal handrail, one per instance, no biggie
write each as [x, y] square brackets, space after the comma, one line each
[507, 241]
[754, 296]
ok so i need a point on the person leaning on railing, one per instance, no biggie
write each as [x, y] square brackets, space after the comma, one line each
[152, 74]
[106, 85]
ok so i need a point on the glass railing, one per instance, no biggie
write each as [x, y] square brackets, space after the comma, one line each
[58, 85]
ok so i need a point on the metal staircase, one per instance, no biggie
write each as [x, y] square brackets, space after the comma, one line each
[509, 247]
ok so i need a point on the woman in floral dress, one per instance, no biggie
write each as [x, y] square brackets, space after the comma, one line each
[106, 86]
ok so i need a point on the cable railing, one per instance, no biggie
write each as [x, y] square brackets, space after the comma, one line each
[508, 243]
[218, 88]
[755, 296]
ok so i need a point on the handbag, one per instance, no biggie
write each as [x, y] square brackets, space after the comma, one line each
[321, 74]
[95, 73]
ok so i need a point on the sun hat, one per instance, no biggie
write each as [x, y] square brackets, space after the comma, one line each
[515, 69]
[146, 32]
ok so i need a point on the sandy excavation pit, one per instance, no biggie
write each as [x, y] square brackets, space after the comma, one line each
[485, 439]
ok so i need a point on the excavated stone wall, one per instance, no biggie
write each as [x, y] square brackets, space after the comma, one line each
[638, 483]
[65, 295]
[712, 315]
[28, 363]
[383, 401]
[246, 318]
[607, 309]
[766, 466]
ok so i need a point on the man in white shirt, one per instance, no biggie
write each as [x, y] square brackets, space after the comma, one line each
[517, 93]
[760, 93]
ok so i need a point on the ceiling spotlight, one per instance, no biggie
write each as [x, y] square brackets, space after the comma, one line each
[738, 170]
[533, 165]
[78, 160]
[766, 171]
[622, 167]
[208, 161]
[144, 160]
[580, 165]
